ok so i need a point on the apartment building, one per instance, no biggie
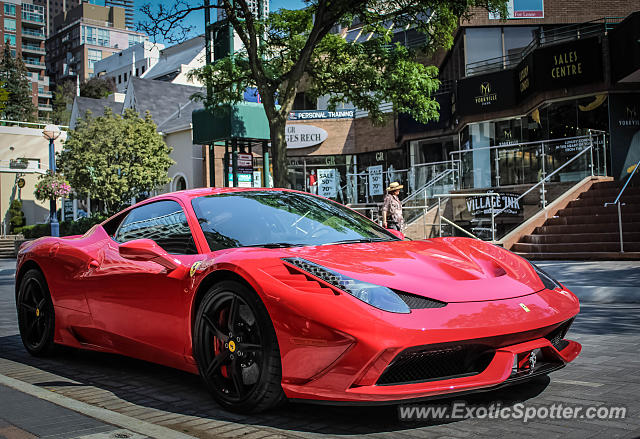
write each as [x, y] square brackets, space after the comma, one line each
[23, 28]
[84, 35]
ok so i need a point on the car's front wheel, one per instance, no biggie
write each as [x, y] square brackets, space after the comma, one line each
[236, 349]
[36, 316]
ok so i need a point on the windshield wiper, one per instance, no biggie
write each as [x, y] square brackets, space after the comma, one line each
[274, 245]
[353, 241]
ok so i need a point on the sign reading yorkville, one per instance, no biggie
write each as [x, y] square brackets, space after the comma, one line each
[303, 136]
[484, 205]
[322, 114]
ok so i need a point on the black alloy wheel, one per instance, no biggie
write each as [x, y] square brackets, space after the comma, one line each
[236, 349]
[36, 316]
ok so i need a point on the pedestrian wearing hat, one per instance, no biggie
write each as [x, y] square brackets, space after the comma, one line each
[392, 208]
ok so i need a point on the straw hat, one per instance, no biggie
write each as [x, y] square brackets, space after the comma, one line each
[394, 186]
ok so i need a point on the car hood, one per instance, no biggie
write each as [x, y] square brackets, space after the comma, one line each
[446, 269]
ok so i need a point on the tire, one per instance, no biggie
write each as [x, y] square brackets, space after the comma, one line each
[236, 349]
[36, 314]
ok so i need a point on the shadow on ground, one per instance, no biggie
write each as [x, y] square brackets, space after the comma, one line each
[150, 385]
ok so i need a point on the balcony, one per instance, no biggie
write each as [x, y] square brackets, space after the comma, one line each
[33, 64]
[45, 94]
[32, 34]
[32, 48]
[44, 107]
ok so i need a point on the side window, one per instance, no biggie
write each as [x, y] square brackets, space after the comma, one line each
[162, 221]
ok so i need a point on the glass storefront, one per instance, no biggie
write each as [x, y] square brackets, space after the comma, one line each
[490, 162]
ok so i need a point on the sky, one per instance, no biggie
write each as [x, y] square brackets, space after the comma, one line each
[196, 19]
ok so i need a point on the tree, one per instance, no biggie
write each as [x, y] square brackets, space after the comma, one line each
[98, 88]
[19, 104]
[114, 158]
[289, 47]
[63, 102]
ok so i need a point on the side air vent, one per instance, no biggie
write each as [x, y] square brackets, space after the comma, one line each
[418, 302]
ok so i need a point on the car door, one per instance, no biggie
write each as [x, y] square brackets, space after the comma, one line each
[143, 311]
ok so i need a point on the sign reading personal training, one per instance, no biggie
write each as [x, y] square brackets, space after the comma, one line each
[483, 205]
[485, 93]
[303, 136]
[567, 65]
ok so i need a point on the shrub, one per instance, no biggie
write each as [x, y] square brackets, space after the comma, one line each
[67, 228]
[16, 216]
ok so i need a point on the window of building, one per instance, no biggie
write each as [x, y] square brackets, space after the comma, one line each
[11, 38]
[10, 24]
[143, 68]
[125, 77]
[137, 73]
[93, 55]
[32, 13]
[482, 44]
[517, 38]
[103, 37]
[135, 39]
[89, 35]
[10, 9]
[162, 221]
[119, 79]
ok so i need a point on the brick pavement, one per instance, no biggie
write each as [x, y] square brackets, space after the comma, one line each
[606, 373]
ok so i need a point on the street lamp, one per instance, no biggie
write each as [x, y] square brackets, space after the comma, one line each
[51, 133]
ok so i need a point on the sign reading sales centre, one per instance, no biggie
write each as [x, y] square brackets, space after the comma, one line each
[303, 136]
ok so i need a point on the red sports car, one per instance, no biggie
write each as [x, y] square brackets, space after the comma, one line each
[271, 294]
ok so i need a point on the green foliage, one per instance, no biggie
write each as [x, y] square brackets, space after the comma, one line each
[63, 102]
[97, 88]
[67, 228]
[16, 215]
[13, 73]
[114, 158]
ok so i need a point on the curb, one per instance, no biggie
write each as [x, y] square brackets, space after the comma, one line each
[101, 414]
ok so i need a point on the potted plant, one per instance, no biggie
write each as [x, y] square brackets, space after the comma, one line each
[20, 163]
[51, 186]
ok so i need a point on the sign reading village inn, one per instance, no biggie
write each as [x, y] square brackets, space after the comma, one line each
[483, 205]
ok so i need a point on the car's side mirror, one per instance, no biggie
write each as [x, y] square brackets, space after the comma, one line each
[398, 233]
[147, 250]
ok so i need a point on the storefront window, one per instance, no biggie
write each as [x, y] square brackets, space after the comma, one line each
[483, 44]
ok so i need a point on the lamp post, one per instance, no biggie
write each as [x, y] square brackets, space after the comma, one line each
[51, 133]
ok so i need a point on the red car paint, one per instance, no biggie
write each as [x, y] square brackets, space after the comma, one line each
[333, 346]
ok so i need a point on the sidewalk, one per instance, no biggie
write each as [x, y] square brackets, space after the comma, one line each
[598, 281]
[26, 417]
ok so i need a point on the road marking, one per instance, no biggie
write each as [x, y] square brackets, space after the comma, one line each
[117, 419]
[578, 383]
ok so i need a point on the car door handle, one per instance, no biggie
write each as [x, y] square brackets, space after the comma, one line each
[93, 264]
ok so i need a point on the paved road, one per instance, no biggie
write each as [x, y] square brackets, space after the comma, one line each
[606, 373]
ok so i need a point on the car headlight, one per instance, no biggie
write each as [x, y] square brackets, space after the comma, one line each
[375, 295]
[548, 281]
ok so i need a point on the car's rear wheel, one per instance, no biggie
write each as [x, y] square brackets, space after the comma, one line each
[236, 349]
[36, 315]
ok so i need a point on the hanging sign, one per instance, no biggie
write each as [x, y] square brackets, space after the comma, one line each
[302, 136]
[327, 183]
[376, 181]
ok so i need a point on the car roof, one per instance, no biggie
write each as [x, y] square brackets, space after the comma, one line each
[189, 194]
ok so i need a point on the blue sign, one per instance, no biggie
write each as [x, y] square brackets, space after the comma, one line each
[322, 114]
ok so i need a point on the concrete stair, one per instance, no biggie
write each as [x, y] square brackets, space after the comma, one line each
[585, 229]
[7, 247]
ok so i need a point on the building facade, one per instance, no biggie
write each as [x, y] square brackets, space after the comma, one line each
[554, 72]
[84, 35]
[127, 5]
[23, 28]
[134, 61]
[52, 8]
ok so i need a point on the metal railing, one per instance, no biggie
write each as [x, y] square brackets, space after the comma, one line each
[617, 202]
[441, 217]
[543, 38]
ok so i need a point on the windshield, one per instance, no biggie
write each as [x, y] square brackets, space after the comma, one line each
[280, 219]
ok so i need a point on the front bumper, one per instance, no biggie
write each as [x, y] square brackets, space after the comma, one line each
[335, 349]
